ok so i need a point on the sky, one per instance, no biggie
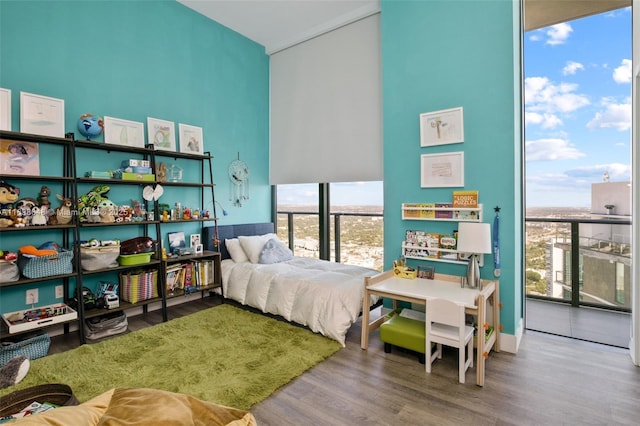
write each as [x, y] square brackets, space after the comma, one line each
[577, 91]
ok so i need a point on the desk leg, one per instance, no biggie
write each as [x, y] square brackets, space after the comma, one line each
[480, 343]
[364, 338]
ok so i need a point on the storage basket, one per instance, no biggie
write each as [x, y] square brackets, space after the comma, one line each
[94, 258]
[9, 271]
[17, 401]
[46, 266]
[105, 325]
[139, 285]
[32, 348]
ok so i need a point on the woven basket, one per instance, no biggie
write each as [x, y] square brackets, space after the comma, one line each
[46, 266]
[94, 258]
[32, 348]
[139, 286]
[57, 394]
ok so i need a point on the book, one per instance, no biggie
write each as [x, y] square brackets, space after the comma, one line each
[465, 199]
[427, 211]
[448, 242]
[444, 214]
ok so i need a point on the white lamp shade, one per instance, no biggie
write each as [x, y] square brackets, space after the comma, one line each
[474, 238]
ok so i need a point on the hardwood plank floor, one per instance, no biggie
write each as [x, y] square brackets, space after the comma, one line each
[551, 381]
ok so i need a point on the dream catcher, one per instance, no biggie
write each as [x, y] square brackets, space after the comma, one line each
[239, 178]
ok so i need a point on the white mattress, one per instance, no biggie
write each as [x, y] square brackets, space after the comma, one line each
[324, 296]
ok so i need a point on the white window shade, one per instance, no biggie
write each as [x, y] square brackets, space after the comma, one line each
[326, 108]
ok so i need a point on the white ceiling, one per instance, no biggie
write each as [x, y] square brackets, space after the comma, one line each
[278, 24]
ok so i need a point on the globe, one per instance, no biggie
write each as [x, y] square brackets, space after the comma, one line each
[90, 126]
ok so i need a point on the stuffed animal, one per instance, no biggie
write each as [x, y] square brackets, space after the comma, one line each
[24, 208]
[39, 217]
[14, 371]
[8, 195]
[108, 211]
[43, 198]
[62, 214]
[88, 203]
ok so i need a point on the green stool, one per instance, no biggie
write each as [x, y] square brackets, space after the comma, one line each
[405, 333]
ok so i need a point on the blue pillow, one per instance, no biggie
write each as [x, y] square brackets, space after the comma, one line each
[274, 251]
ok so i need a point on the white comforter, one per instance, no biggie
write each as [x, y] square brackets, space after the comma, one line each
[324, 296]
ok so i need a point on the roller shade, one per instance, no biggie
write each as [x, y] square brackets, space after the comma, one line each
[326, 108]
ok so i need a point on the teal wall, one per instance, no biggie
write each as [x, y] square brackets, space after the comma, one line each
[445, 54]
[134, 60]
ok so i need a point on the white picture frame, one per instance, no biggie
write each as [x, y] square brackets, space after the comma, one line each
[191, 141]
[442, 127]
[442, 170]
[123, 132]
[199, 248]
[162, 134]
[41, 115]
[5, 109]
[194, 240]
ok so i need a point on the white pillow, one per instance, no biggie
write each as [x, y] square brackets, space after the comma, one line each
[253, 245]
[235, 250]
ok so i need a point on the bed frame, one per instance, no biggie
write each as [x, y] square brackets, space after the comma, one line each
[233, 231]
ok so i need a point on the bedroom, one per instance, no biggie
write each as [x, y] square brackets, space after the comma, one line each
[85, 56]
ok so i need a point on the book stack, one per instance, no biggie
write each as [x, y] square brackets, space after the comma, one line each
[189, 275]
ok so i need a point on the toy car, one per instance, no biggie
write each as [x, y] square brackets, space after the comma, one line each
[110, 301]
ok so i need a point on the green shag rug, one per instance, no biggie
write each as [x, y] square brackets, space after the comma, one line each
[223, 354]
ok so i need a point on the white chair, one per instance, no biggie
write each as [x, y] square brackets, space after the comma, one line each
[445, 325]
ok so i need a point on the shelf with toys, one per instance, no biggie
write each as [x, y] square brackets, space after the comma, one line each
[38, 230]
[119, 203]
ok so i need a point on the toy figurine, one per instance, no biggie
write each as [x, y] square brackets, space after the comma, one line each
[8, 195]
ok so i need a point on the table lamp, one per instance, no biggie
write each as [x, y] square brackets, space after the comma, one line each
[475, 239]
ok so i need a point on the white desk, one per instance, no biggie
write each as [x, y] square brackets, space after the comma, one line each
[418, 290]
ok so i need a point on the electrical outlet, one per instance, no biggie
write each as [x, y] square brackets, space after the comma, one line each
[31, 296]
[59, 292]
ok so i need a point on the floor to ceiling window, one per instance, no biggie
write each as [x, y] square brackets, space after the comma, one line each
[577, 84]
[355, 221]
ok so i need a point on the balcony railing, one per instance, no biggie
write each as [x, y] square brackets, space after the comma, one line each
[357, 238]
[581, 261]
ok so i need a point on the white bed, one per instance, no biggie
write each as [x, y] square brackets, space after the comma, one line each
[324, 296]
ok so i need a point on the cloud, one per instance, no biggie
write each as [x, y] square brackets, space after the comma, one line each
[558, 33]
[546, 120]
[614, 116]
[617, 172]
[542, 95]
[572, 67]
[551, 149]
[622, 74]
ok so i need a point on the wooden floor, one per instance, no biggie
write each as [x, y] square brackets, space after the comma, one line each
[551, 381]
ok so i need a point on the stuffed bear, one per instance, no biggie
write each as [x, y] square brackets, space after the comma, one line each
[8, 195]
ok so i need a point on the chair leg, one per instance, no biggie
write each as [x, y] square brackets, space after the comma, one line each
[470, 349]
[461, 364]
[387, 348]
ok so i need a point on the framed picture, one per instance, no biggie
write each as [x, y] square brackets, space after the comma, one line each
[427, 272]
[199, 248]
[162, 134]
[123, 132]
[441, 127]
[176, 240]
[191, 139]
[194, 240]
[442, 170]
[19, 158]
[5, 109]
[41, 115]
